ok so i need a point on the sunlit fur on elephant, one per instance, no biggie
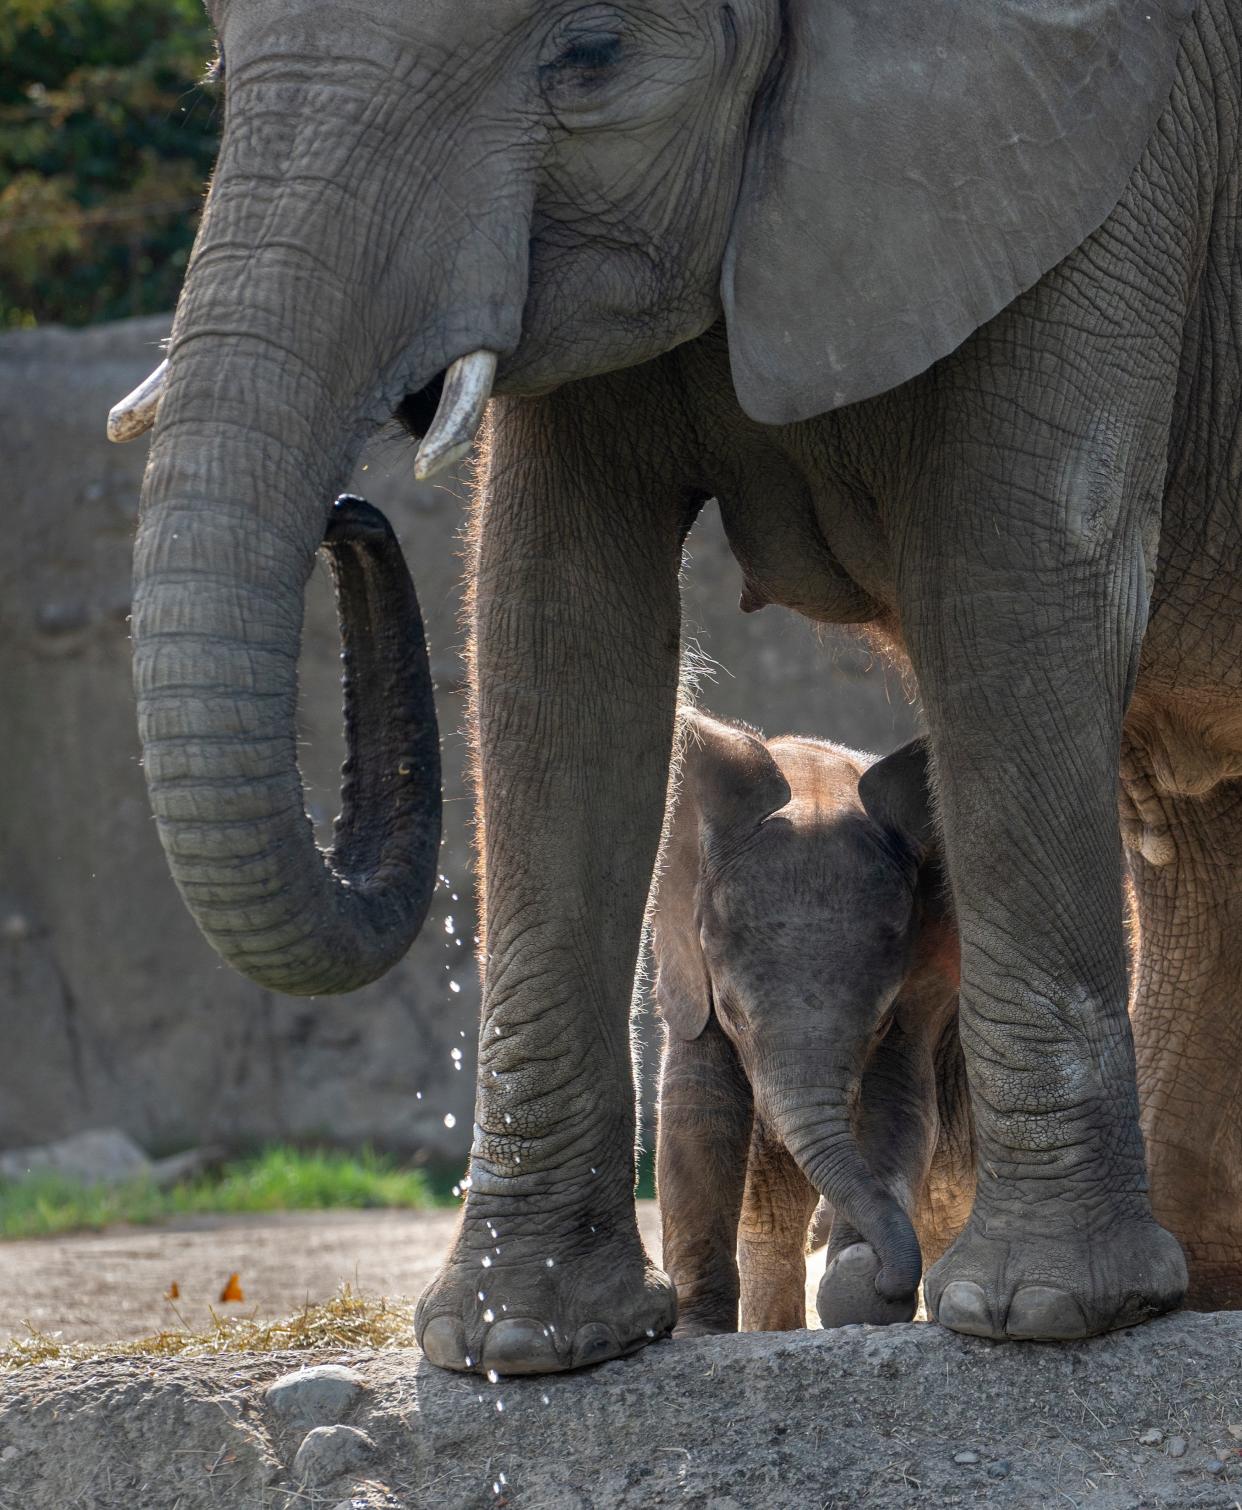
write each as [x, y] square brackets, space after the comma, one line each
[939, 300]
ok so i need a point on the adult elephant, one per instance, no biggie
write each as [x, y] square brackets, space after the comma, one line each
[975, 382]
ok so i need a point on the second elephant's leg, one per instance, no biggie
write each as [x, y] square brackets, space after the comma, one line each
[1187, 1014]
[576, 651]
[1023, 583]
[776, 1211]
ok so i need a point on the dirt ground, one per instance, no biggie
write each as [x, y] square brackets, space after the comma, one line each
[108, 1286]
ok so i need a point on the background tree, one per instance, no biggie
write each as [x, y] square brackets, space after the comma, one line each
[107, 135]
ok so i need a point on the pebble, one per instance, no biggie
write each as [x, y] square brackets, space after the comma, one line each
[1176, 1447]
[966, 1456]
[9, 1453]
[1152, 1437]
[1000, 1469]
[315, 1396]
[329, 1451]
[1213, 1465]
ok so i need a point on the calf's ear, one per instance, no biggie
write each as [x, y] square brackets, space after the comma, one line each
[896, 794]
[728, 782]
[913, 166]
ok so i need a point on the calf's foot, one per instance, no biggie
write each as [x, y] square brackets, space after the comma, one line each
[848, 1296]
[539, 1303]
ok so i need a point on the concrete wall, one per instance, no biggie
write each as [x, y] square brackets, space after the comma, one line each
[114, 1010]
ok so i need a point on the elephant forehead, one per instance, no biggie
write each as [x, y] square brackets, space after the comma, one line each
[454, 22]
[432, 30]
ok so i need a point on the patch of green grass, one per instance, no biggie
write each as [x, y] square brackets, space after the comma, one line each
[276, 1179]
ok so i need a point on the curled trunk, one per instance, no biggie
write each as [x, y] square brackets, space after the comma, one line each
[217, 627]
[819, 1135]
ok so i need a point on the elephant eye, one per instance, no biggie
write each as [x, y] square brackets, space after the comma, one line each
[590, 54]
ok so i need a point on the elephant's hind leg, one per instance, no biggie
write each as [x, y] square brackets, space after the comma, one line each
[776, 1211]
[576, 649]
[1187, 1016]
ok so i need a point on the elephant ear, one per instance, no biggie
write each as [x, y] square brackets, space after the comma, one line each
[896, 793]
[913, 166]
[729, 782]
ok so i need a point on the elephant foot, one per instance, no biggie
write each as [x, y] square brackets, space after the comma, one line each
[504, 1304]
[848, 1296]
[1000, 1281]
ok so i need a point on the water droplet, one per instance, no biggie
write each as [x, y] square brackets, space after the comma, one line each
[650, 1332]
[549, 1263]
[487, 1260]
[418, 1095]
[508, 1119]
[544, 1399]
[492, 1376]
[500, 1405]
[450, 1120]
[593, 1171]
[489, 1315]
[482, 1295]
[448, 924]
[454, 1053]
[470, 1364]
[454, 987]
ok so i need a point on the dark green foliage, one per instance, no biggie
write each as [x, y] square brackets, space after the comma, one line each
[107, 137]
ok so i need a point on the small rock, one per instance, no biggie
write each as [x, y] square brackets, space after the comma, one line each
[966, 1456]
[314, 1396]
[329, 1451]
[9, 1453]
[1152, 1437]
[1213, 1465]
[1176, 1447]
[1000, 1469]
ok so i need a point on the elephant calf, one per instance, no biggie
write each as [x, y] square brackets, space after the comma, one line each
[807, 973]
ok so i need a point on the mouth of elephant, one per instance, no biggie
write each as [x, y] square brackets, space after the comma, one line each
[417, 411]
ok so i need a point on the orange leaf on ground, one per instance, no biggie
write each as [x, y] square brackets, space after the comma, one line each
[173, 1292]
[232, 1289]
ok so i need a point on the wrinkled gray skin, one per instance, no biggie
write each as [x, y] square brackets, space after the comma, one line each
[806, 972]
[976, 384]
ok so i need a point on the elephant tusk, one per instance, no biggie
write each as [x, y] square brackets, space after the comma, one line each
[135, 414]
[467, 388]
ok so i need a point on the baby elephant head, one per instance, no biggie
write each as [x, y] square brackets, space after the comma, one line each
[801, 907]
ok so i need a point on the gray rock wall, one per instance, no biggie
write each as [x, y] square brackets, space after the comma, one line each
[116, 1013]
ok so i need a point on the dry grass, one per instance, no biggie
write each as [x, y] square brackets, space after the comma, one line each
[348, 1320]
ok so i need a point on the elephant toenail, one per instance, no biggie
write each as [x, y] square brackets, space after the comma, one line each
[963, 1307]
[444, 1343]
[1040, 1313]
[594, 1343]
[519, 1345]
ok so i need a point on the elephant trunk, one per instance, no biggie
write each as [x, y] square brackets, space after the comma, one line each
[230, 527]
[815, 1126]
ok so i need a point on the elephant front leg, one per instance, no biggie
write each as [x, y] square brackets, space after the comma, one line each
[576, 654]
[701, 1146]
[1023, 613]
